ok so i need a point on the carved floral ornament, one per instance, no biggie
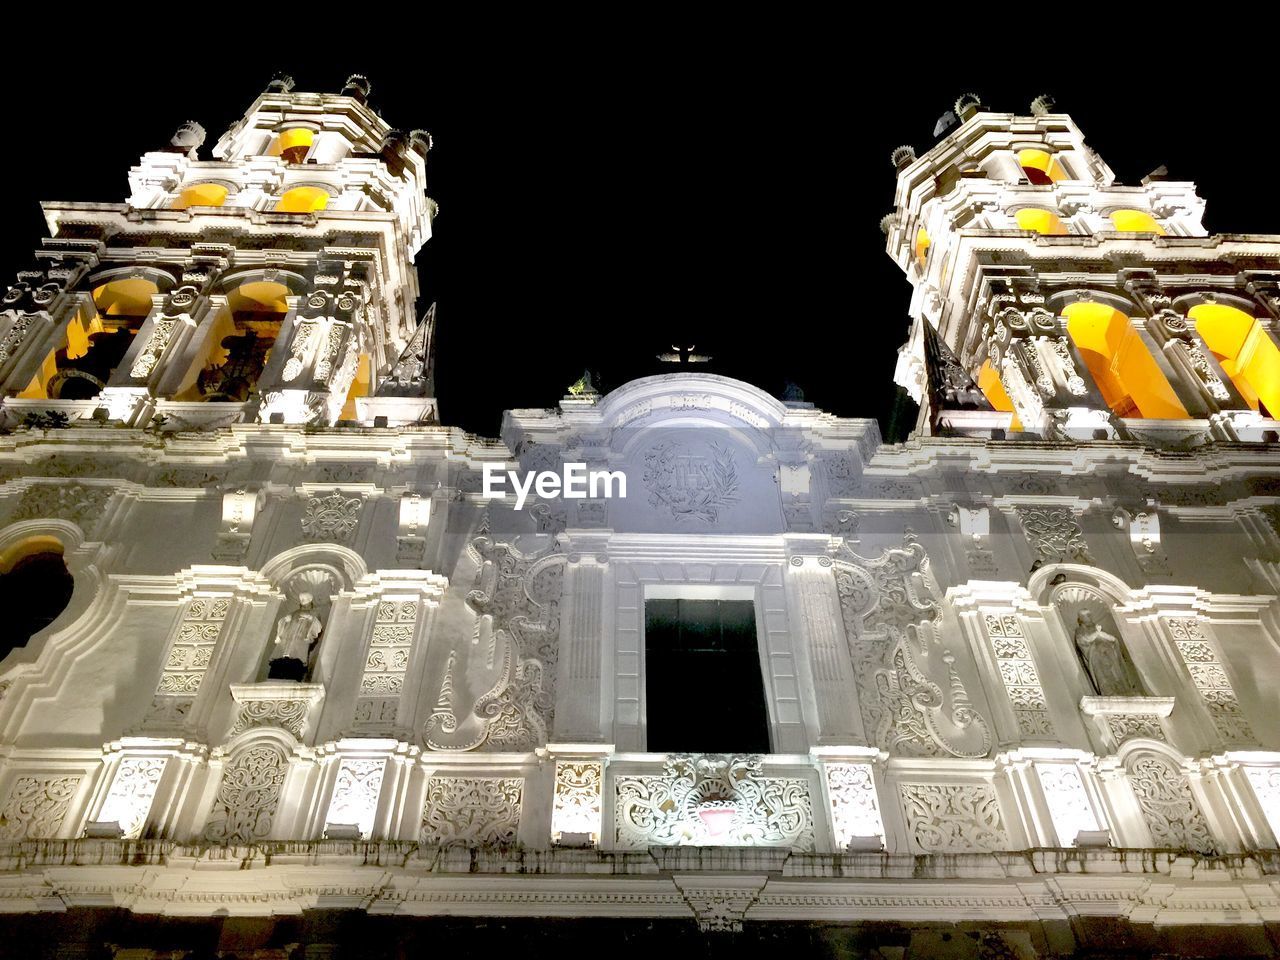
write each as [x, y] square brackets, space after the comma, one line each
[712, 799]
[912, 698]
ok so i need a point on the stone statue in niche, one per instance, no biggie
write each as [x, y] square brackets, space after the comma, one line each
[1104, 659]
[296, 635]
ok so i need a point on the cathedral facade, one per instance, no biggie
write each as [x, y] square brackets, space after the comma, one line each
[301, 671]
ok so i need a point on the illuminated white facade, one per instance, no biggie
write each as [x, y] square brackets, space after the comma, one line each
[1021, 667]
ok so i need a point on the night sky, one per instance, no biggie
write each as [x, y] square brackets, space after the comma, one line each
[592, 214]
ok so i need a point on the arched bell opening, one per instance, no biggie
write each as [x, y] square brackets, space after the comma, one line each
[98, 337]
[242, 335]
[1244, 350]
[1123, 368]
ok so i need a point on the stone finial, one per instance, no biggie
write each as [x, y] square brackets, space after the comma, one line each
[903, 157]
[393, 141]
[967, 105]
[421, 141]
[280, 83]
[188, 138]
[1042, 105]
[357, 87]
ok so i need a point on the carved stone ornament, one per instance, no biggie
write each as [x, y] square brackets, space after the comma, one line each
[132, 790]
[1054, 534]
[476, 811]
[710, 800]
[80, 504]
[1019, 675]
[512, 655]
[890, 615]
[1168, 806]
[576, 806]
[355, 793]
[953, 818]
[282, 704]
[36, 805]
[332, 519]
[854, 810]
[692, 483]
[1210, 678]
[247, 798]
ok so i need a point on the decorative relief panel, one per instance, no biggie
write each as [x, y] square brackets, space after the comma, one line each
[854, 810]
[713, 800]
[190, 652]
[512, 655]
[132, 791]
[80, 504]
[287, 713]
[1210, 678]
[247, 798]
[953, 818]
[331, 519]
[579, 794]
[1019, 675]
[1068, 802]
[1054, 534]
[150, 354]
[355, 793]
[386, 661]
[472, 810]
[890, 616]
[1133, 726]
[688, 482]
[1168, 806]
[36, 806]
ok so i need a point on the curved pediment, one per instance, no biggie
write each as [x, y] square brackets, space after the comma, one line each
[692, 398]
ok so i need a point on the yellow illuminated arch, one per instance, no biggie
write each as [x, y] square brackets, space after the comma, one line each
[28, 547]
[201, 195]
[1131, 381]
[922, 246]
[292, 145]
[1041, 221]
[1135, 221]
[302, 200]
[259, 296]
[1245, 351]
[125, 298]
[1040, 167]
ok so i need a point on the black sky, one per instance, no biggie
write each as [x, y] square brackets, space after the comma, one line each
[592, 213]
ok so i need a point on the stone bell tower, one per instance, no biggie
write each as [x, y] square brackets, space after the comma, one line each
[1051, 302]
[272, 283]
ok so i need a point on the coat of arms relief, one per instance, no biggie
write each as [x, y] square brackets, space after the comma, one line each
[690, 481]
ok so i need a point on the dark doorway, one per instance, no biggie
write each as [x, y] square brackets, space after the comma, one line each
[703, 684]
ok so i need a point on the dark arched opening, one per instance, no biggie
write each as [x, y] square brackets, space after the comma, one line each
[35, 589]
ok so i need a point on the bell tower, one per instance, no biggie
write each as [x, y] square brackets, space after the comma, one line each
[1052, 302]
[273, 282]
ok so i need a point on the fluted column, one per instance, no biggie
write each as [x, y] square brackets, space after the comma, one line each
[585, 629]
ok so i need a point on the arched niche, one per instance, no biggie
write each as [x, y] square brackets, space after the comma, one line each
[326, 574]
[1068, 590]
